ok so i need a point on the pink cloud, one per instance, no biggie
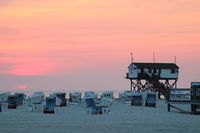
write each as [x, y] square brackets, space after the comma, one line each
[32, 69]
[22, 87]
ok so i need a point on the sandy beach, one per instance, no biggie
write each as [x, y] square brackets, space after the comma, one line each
[124, 118]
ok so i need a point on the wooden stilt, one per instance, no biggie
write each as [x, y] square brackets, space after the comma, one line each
[168, 107]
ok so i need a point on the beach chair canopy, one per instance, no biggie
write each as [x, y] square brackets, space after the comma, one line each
[37, 98]
[106, 102]
[90, 94]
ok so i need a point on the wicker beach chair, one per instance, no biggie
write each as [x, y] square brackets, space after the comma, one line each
[150, 100]
[50, 105]
[91, 104]
[136, 99]
[12, 102]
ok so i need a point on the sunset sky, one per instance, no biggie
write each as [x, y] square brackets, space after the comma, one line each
[86, 44]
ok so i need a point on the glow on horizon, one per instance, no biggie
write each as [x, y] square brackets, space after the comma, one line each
[22, 87]
[47, 37]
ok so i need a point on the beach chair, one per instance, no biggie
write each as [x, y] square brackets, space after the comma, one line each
[19, 98]
[91, 104]
[12, 102]
[50, 105]
[62, 97]
[75, 97]
[150, 100]
[36, 102]
[136, 99]
[105, 104]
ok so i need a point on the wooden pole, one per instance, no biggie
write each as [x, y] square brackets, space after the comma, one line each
[168, 107]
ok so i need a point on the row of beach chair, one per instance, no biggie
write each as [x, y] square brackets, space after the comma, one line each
[49, 104]
[35, 103]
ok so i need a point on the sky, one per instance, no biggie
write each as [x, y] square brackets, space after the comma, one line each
[69, 45]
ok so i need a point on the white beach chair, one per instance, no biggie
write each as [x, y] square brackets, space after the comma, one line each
[91, 104]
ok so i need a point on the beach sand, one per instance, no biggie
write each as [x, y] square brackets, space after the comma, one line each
[123, 118]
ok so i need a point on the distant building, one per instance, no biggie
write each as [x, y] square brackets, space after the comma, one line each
[152, 76]
[153, 70]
